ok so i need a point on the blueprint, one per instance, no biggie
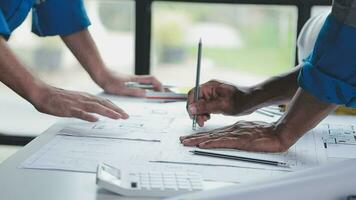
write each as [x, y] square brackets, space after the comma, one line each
[147, 122]
[150, 139]
[137, 127]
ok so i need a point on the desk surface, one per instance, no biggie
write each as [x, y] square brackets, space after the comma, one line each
[18, 184]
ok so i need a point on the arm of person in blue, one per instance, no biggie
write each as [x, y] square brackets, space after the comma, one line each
[329, 73]
[314, 89]
[4, 29]
[69, 19]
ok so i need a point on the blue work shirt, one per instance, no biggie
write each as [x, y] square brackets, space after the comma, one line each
[329, 73]
[49, 17]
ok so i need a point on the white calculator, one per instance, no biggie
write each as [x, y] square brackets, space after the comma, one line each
[140, 183]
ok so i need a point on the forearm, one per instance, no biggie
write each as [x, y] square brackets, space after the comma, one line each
[276, 90]
[84, 49]
[15, 75]
[305, 112]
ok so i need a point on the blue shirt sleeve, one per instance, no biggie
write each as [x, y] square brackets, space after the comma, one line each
[330, 71]
[4, 28]
[59, 17]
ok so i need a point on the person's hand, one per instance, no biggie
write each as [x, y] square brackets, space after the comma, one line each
[217, 97]
[248, 136]
[115, 84]
[63, 103]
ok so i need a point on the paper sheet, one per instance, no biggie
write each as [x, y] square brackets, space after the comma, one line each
[340, 141]
[83, 154]
[149, 123]
[138, 127]
[77, 152]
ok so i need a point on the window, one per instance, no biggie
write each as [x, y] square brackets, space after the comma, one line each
[113, 30]
[241, 43]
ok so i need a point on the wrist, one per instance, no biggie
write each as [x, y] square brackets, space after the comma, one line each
[100, 76]
[287, 135]
[36, 92]
[249, 101]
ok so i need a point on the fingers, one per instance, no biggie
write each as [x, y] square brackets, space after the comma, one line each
[204, 90]
[81, 114]
[224, 142]
[223, 130]
[66, 103]
[247, 136]
[112, 106]
[195, 141]
[101, 106]
[182, 138]
[137, 92]
[204, 107]
[201, 119]
[190, 99]
[133, 92]
[157, 85]
[94, 107]
[92, 104]
[208, 103]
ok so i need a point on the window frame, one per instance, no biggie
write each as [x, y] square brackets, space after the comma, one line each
[143, 25]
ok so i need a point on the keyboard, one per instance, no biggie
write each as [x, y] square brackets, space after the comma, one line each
[136, 183]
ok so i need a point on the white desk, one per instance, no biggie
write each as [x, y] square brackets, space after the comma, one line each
[21, 184]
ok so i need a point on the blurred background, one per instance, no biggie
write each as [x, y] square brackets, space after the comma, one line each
[243, 44]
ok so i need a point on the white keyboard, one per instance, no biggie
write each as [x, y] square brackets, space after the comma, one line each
[147, 183]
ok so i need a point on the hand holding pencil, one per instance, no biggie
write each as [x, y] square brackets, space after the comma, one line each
[218, 98]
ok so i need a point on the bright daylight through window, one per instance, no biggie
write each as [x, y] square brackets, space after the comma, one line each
[241, 43]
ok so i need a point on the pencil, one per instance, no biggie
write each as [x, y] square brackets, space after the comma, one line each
[239, 158]
[197, 80]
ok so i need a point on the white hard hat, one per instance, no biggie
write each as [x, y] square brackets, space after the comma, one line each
[308, 35]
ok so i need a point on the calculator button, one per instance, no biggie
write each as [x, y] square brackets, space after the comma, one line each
[144, 180]
[156, 186]
[169, 183]
[134, 184]
[143, 175]
[183, 182]
[181, 175]
[185, 189]
[167, 174]
[156, 179]
[154, 174]
[197, 186]
[195, 176]
[146, 187]
[156, 183]
[170, 189]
